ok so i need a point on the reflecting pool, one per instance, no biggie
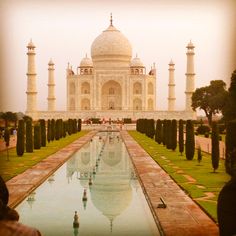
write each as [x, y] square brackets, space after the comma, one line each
[99, 183]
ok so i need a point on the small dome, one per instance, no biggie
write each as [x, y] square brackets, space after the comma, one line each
[136, 62]
[86, 62]
[50, 62]
[30, 44]
[190, 45]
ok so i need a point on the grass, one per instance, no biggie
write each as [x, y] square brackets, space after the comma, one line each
[17, 165]
[182, 170]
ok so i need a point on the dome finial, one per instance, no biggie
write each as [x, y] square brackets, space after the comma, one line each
[111, 20]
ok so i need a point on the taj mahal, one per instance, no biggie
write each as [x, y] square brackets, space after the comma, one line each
[110, 84]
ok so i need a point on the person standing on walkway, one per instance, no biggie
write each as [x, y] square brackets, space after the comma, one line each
[9, 224]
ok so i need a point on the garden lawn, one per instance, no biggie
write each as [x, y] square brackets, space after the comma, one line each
[17, 165]
[197, 180]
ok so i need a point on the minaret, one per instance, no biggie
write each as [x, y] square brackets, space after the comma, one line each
[190, 87]
[31, 79]
[171, 85]
[51, 85]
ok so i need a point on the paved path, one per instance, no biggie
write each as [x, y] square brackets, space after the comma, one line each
[182, 216]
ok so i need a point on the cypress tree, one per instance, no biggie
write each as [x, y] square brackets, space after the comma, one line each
[199, 154]
[20, 144]
[69, 126]
[150, 131]
[230, 159]
[168, 134]
[29, 136]
[64, 129]
[49, 130]
[52, 129]
[43, 132]
[158, 131]
[57, 130]
[79, 125]
[181, 136]
[215, 149]
[37, 136]
[7, 140]
[190, 142]
[164, 133]
[173, 134]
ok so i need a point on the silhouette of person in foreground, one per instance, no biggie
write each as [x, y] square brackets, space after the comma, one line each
[9, 224]
[226, 207]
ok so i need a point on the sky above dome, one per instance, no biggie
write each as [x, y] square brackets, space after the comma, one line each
[158, 31]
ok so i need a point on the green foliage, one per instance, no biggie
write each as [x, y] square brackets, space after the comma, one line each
[211, 99]
[150, 132]
[215, 148]
[49, 130]
[79, 123]
[43, 132]
[20, 144]
[181, 136]
[202, 129]
[9, 116]
[168, 134]
[95, 120]
[127, 121]
[173, 134]
[199, 154]
[7, 137]
[37, 136]
[230, 160]
[29, 136]
[158, 134]
[229, 110]
[164, 133]
[190, 142]
[53, 129]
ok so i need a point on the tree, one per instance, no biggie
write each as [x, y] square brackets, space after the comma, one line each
[168, 135]
[9, 116]
[49, 130]
[7, 140]
[20, 144]
[164, 133]
[215, 149]
[57, 130]
[181, 136]
[37, 137]
[52, 129]
[230, 159]
[158, 133]
[190, 142]
[150, 131]
[199, 154]
[79, 125]
[43, 132]
[229, 110]
[29, 136]
[173, 134]
[211, 99]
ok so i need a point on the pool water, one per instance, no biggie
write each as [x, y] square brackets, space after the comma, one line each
[100, 184]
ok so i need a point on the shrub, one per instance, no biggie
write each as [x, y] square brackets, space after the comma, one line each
[127, 121]
[190, 142]
[215, 149]
[20, 144]
[37, 137]
[29, 136]
[181, 136]
[199, 154]
[202, 129]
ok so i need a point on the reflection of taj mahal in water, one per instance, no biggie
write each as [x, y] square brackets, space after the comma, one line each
[110, 84]
[111, 174]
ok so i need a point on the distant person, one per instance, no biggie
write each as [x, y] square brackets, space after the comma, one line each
[9, 225]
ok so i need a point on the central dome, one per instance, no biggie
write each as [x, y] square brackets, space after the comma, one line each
[111, 45]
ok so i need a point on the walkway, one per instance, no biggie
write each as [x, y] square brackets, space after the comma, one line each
[182, 216]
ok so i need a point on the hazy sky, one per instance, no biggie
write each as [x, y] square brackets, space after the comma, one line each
[157, 30]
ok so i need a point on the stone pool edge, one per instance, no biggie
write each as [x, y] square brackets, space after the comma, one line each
[23, 184]
[182, 216]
